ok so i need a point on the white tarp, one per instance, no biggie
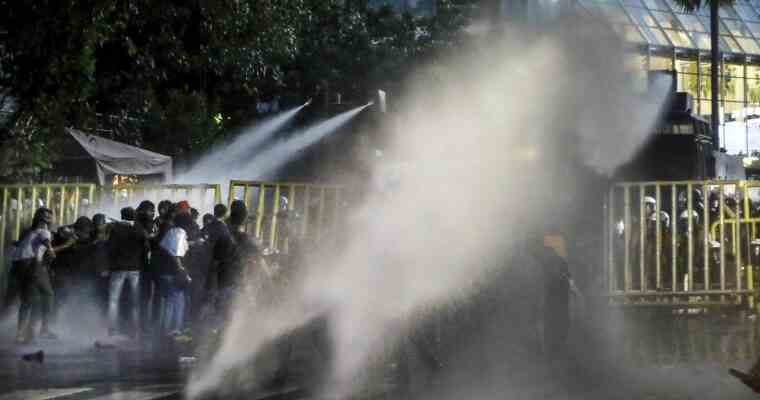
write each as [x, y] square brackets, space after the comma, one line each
[114, 158]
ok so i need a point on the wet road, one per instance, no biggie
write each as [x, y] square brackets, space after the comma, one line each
[647, 356]
[85, 372]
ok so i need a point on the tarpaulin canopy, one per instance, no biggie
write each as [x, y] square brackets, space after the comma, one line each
[114, 158]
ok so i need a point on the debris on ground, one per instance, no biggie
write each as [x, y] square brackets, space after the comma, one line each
[37, 356]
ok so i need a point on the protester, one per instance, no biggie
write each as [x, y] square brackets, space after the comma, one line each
[244, 249]
[73, 270]
[101, 259]
[194, 214]
[32, 265]
[221, 246]
[152, 309]
[207, 219]
[149, 291]
[126, 246]
[173, 276]
[196, 261]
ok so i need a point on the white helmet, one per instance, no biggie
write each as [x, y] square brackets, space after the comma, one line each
[283, 203]
[620, 227]
[664, 218]
[685, 215]
[649, 200]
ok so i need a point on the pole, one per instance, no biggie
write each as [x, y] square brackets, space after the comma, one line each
[715, 59]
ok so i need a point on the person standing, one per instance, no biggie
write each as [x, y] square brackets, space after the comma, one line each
[126, 249]
[173, 276]
[221, 247]
[33, 273]
[148, 231]
[101, 259]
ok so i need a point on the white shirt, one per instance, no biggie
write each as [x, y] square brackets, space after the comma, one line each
[34, 244]
[175, 242]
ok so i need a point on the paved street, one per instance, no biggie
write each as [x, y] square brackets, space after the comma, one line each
[650, 358]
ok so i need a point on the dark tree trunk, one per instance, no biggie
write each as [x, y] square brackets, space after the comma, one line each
[715, 61]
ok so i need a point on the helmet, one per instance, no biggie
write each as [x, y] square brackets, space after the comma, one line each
[685, 216]
[283, 203]
[649, 200]
[664, 218]
[620, 227]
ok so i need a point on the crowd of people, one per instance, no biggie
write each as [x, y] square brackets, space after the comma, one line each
[176, 271]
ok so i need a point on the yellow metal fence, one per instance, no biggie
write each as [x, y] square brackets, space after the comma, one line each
[279, 210]
[71, 200]
[201, 196]
[683, 243]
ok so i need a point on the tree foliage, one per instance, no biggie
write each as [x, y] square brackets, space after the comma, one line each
[175, 64]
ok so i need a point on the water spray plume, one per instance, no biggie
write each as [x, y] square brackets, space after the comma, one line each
[222, 159]
[267, 161]
[491, 146]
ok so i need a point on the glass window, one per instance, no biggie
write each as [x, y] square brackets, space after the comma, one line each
[660, 62]
[704, 108]
[733, 111]
[691, 23]
[729, 44]
[704, 83]
[686, 66]
[732, 88]
[733, 68]
[747, 12]
[706, 23]
[688, 83]
[728, 12]
[655, 36]
[754, 27]
[749, 45]
[656, 5]
[753, 72]
[679, 38]
[701, 40]
[753, 92]
[642, 16]
[636, 3]
[666, 20]
[736, 27]
[630, 33]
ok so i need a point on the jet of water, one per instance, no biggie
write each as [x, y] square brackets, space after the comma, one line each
[268, 160]
[490, 141]
[220, 160]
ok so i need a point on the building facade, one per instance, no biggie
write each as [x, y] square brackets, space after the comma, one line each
[664, 37]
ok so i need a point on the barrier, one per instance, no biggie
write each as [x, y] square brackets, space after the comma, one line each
[67, 201]
[310, 210]
[201, 196]
[19, 201]
[683, 243]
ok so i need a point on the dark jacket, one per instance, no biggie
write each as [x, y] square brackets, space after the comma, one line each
[219, 240]
[126, 247]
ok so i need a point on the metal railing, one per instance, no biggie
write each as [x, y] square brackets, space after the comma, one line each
[201, 196]
[683, 242]
[304, 209]
[18, 203]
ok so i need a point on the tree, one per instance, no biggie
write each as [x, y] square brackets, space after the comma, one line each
[715, 54]
[175, 65]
